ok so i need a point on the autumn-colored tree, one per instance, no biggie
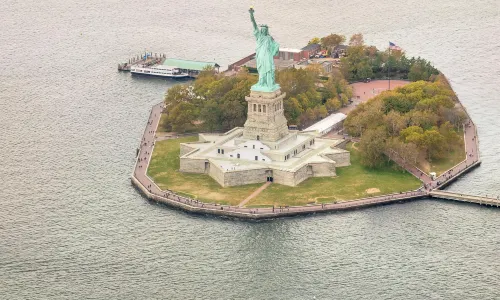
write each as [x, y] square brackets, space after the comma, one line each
[372, 146]
[434, 144]
[332, 104]
[332, 40]
[356, 40]
[314, 40]
[395, 122]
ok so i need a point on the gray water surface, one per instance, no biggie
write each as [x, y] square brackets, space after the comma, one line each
[72, 226]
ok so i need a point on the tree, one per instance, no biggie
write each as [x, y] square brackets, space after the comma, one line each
[398, 149]
[315, 69]
[434, 143]
[320, 112]
[332, 104]
[412, 134]
[395, 122]
[233, 114]
[293, 110]
[425, 119]
[455, 116]
[450, 136]
[372, 146]
[176, 95]
[356, 40]
[211, 115]
[356, 65]
[332, 40]
[296, 81]
[182, 116]
[307, 117]
[314, 40]
[421, 70]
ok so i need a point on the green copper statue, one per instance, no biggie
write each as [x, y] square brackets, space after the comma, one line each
[265, 51]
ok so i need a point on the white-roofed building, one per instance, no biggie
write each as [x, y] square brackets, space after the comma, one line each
[291, 54]
[333, 121]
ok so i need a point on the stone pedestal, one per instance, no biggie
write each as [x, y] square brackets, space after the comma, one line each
[266, 120]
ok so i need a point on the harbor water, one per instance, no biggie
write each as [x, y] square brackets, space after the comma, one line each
[73, 227]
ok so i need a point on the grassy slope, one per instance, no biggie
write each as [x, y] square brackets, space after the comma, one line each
[351, 183]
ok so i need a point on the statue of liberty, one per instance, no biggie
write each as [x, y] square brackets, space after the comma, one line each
[265, 51]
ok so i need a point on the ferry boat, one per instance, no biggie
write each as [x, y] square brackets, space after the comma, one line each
[158, 70]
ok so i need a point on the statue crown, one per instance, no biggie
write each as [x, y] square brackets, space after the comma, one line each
[264, 25]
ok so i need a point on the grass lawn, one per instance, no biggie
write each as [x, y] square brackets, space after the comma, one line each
[164, 170]
[352, 182]
[456, 155]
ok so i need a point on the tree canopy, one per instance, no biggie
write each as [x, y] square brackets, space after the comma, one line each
[214, 102]
[364, 61]
[418, 118]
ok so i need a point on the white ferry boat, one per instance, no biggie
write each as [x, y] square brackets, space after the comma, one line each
[158, 70]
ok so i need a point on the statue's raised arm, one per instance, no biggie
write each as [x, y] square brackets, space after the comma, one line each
[265, 51]
[253, 18]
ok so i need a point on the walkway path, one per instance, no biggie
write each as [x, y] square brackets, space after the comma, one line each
[465, 198]
[254, 194]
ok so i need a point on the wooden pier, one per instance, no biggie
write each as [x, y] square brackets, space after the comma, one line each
[465, 198]
[147, 59]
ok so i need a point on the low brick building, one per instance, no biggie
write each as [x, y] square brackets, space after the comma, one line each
[310, 50]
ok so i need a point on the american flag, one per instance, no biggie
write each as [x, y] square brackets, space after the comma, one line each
[393, 46]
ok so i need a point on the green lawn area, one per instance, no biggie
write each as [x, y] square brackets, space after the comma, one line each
[352, 182]
[456, 155]
[164, 170]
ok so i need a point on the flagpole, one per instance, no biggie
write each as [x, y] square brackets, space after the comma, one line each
[389, 66]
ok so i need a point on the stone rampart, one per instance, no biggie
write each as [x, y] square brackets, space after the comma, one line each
[216, 173]
[234, 178]
[342, 159]
[193, 165]
[323, 169]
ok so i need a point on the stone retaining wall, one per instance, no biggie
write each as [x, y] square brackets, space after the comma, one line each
[254, 214]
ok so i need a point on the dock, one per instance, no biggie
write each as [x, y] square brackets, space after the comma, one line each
[465, 198]
[150, 59]
[147, 59]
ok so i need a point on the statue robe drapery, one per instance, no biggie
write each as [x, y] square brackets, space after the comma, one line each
[265, 51]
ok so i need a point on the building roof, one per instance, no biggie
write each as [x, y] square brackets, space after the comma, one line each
[290, 50]
[189, 64]
[326, 122]
[279, 63]
[341, 47]
[311, 47]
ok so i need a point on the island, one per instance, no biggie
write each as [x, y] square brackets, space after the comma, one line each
[361, 142]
